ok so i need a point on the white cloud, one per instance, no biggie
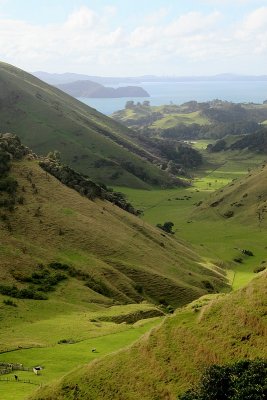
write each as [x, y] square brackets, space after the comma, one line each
[84, 18]
[88, 42]
[192, 22]
[254, 22]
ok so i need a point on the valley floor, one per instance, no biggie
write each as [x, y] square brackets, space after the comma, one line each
[60, 358]
[216, 239]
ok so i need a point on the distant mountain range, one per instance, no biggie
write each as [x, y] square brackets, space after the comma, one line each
[90, 89]
[55, 79]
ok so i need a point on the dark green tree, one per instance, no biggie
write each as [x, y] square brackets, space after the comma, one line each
[166, 227]
[244, 380]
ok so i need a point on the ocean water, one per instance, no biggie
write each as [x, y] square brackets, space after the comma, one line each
[180, 92]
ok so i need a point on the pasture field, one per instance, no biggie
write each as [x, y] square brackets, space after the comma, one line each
[219, 329]
[170, 121]
[60, 333]
[216, 239]
[60, 358]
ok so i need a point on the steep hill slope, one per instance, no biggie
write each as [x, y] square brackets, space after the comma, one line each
[171, 358]
[47, 119]
[58, 246]
[243, 200]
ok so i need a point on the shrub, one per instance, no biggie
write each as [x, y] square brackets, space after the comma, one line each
[166, 227]
[259, 269]
[208, 285]
[228, 214]
[27, 293]
[139, 288]
[58, 265]
[247, 252]
[4, 162]
[238, 260]
[8, 184]
[244, 380]
[10, 303]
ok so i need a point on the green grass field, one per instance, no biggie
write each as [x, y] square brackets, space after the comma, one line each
[137, 254]
[170, 121]
[214, 238]
[132, 258]
[214, 329]
[59, 359]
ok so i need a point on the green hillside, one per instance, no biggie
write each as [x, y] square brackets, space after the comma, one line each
[192, 120]
[47, 119]
[79, 272]
[217, 238]
[243, 200]
[164, 363]
[61, 251]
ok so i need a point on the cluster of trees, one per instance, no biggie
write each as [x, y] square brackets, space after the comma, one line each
[8, 185]
[4, 162]
[225, 118]
[84, 185]
[244, 380]
[256, 141]
[131, 104]
[214, 130]
[180, 153]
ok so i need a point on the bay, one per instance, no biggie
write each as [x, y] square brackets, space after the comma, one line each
[181, 92]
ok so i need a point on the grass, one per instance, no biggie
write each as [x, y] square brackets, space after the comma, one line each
[168, 360]
[47, 119]
[121, 263]
[138, 264]
[125, 252]
[170, 121]
[214, 238]
[59, 359]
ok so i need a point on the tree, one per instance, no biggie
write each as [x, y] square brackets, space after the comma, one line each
[146, 103]
[166, 227]
[244, 380]
[129, 104]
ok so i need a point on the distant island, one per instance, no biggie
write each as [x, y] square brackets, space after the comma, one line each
[90, 89]
[67, 77]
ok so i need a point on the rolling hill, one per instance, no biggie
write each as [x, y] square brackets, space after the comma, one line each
[243, 200]
[60, 250]
[166, 362]
[47, 119]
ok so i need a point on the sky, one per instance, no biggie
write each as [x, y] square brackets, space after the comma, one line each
[135, 37]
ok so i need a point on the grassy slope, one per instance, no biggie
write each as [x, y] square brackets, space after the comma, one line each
[47, 119]
[170, 121]
[59, 359]
[57, 224]
[168, 360]
[246, 198]
[168, 118]
[215, 237]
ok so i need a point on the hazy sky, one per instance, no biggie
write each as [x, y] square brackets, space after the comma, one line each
[135, 37]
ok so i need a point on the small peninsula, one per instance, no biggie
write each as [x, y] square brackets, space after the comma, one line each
[90, 89]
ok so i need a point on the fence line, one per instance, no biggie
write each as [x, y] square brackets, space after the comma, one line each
[19, 380]
[7, 368]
